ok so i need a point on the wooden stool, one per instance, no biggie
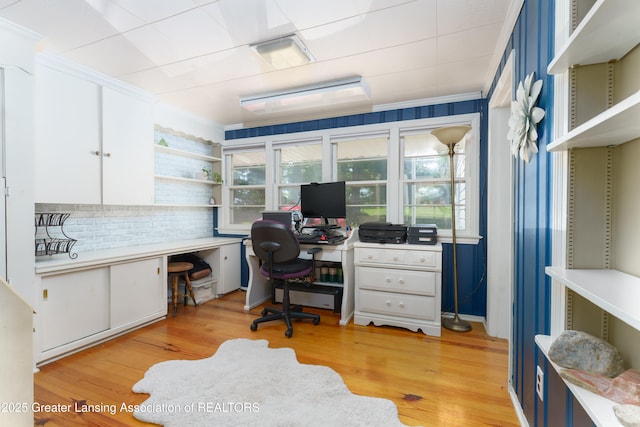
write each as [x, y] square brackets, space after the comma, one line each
[177, 269]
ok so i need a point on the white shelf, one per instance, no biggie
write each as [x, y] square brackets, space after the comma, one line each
[185, 205]
[614, 126]
[615, 292]
[599, 408]
[183, 153]
[604, 34]
[189, 180]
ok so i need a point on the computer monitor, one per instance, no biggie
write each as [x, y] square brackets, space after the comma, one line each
[283, 217]
[323, 200]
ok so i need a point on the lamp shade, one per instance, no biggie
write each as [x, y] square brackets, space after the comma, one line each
[451, 135]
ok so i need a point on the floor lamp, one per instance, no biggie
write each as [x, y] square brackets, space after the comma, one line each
[450, 136]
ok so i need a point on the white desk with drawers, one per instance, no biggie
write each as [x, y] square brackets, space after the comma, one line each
[398, 285]
[259, 290]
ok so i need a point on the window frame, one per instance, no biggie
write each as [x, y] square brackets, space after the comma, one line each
[395, 180]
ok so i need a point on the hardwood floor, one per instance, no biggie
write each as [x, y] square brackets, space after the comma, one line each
[459, 379]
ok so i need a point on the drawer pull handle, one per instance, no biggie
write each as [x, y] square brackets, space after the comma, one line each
[422, 259]
[401, 304]
[370, 256]
[401, 281]
[388, 280]
[388, 303]
[395, 258]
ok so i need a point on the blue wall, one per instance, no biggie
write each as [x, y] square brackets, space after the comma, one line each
[532, 40]
[472, 285]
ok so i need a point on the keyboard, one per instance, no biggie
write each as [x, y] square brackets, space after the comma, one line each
[318, 240]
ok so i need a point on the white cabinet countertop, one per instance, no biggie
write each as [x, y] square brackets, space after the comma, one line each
[62, 262]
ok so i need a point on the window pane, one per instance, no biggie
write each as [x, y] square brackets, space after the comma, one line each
[431, 204]
[362, 159]
[426, 187]
[366, 203]
[245, 215]
[248, 168]
[248, 196]
[288, 197]
[301, 164]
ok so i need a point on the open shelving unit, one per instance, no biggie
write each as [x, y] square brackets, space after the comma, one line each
[598, 285]
[178, 177]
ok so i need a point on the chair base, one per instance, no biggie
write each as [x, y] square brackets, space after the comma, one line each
[269, 314]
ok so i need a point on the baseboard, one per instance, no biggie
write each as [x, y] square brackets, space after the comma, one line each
[517, 407]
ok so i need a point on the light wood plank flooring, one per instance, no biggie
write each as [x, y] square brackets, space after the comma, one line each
[459, 379]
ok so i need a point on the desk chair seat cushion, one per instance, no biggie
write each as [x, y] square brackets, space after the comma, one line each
[290, 270]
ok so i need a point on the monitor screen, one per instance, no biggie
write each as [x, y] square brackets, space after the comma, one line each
[324, 200]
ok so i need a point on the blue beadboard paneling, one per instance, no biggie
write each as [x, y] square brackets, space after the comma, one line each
[532, 39]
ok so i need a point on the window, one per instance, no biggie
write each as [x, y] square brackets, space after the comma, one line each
[247, 188]
[361, 161]
[299, 163]
[396, 172]
[426, 184]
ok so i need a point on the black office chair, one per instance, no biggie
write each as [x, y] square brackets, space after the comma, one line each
[278, 249]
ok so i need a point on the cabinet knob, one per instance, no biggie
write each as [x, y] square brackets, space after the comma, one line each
[401, 304]
[106, 154]
[388, 280]
[369, 256]
[395, 258]
[422, 259]
[96, 153]
[388, 303]
[401, 281]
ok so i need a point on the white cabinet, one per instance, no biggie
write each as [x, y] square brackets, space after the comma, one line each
[398, 285]
[137, 292]
[595, 274]
[127, 149]
[68, 136]
[73, 306]
[229, 269]
[79, 308]
[94, 142]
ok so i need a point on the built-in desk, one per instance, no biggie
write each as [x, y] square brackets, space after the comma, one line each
[259, 290]
[81, 302]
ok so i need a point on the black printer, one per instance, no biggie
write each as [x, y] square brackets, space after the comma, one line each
[382, 232]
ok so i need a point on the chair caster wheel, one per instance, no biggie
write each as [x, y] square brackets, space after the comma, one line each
[316, 321]
[254, 327]
[288, 333]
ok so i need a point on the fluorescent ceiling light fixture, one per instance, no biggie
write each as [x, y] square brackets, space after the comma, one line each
[284, 52]
[321, 95]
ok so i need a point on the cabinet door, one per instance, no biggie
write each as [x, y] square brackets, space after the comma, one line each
[127, 149]
[74, 306]
[230, 269]
[67, 138]
[138, 292]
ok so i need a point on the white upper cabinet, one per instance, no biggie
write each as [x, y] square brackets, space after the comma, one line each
[94, 143]
[127, 144]
[68, 136]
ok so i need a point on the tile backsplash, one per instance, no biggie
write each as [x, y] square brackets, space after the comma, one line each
[106, 227]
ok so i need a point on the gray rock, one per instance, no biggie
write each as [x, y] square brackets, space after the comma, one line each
[579, 350]
[628, 415]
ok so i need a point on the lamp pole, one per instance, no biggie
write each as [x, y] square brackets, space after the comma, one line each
[450, 136]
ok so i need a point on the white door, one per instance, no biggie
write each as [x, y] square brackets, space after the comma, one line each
[3, 217]
[137, 292]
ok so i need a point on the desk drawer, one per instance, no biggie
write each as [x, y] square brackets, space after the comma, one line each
[414, 258]
[403, 281]
[400, 305]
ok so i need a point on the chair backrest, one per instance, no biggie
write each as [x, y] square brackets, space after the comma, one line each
[263, 231]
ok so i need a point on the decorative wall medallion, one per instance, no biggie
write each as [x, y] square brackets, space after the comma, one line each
[524, 118]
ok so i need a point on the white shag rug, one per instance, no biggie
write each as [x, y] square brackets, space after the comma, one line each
[246, 383]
